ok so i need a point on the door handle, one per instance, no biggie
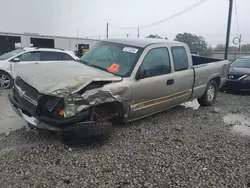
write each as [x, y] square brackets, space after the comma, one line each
[170, 81]
[36, 62]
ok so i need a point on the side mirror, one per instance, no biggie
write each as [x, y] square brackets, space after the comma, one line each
[15, 60]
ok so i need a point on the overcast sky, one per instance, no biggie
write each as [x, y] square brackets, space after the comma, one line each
[63, 17]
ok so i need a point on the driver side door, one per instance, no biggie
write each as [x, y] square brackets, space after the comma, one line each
[154, 84]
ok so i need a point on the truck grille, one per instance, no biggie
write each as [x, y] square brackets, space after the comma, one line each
[25, 95]
[29, 90]
[24, 104]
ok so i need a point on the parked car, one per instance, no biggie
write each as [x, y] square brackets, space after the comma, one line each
[25, 56]
[119, 80]
[239, 76]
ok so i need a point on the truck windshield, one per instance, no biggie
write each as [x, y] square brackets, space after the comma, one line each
[241, 63]
[118, 59]
[11, 54]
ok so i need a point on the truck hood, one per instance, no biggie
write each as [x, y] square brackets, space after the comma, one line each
[239, 71]
[64, 77]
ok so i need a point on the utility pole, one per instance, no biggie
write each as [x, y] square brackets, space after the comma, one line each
[138, 32]
[228, 27]
[77, 37]
[107, 36]
[240, 43]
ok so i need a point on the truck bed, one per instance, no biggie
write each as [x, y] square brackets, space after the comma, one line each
[199, 60]
[206, 70]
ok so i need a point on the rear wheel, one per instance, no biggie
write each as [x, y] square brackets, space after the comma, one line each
[6, 81]
[210, 94]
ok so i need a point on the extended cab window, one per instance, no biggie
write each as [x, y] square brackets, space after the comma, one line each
[30, 56]
[180, 58]
[155, 63]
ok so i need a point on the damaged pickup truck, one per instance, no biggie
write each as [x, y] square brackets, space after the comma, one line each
[118, 80]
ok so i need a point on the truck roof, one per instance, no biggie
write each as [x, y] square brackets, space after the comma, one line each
[141, 42]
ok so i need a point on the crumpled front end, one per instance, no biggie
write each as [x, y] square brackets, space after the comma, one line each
[65, 107]
[90, 96]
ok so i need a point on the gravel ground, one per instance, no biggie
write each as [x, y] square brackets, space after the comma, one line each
[182, 147]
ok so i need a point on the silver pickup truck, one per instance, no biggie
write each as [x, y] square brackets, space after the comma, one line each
[118, 80]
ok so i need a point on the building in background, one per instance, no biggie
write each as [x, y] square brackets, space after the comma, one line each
[11, 41]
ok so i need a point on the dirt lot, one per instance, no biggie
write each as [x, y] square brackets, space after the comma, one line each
[187, 146]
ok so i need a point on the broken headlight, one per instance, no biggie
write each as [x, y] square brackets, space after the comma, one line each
[74, 104]
[51, 106]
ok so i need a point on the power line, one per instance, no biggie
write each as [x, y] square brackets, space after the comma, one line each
[163, 20]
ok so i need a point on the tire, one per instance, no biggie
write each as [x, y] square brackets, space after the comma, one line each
[87, 131]
[209, 96]
[4, 76]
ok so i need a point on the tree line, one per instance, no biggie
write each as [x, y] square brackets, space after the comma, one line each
[198, 44]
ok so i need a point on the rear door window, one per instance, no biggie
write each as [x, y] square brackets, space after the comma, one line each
[65, 57]
[180, 58]
[55, 56]
[50, 56]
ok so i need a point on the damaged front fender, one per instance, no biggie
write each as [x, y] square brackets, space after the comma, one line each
[85, 98]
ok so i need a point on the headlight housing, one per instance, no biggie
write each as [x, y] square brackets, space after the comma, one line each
[51, 106]
[74, 104]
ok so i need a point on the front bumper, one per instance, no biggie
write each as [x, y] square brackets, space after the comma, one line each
[237, 85]
[45, 122]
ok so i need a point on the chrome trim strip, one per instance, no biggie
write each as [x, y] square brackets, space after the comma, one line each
[153, 102]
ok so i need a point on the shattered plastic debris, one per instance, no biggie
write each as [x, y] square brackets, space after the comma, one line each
[7, 133]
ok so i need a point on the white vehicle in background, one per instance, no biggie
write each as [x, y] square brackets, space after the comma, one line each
[24, 56]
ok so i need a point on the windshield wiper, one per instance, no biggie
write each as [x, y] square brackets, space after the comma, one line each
[95, 66]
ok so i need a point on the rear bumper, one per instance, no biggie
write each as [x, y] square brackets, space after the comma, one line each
[45, 122]
[237, 85]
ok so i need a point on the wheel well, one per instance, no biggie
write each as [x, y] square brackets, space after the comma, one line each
[217, 80]
[114, 110]
[6, 73]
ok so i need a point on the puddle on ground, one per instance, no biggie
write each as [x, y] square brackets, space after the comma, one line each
[191, 104]
[240, 123]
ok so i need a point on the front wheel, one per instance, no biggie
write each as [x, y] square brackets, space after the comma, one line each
[99, 130]
[210, 94]
[6, 81]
